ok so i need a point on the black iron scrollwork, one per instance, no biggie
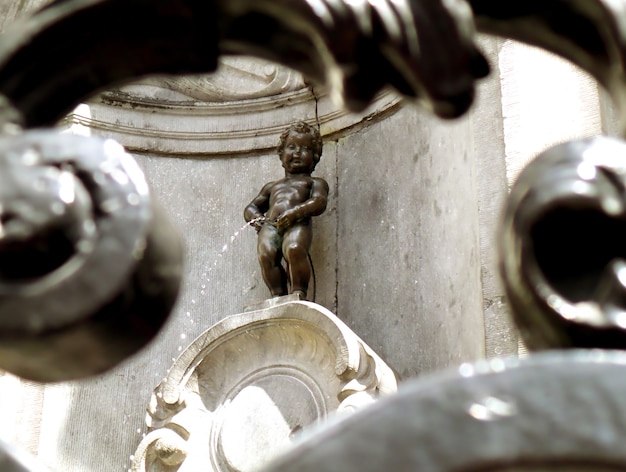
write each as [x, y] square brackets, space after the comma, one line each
[89, 267]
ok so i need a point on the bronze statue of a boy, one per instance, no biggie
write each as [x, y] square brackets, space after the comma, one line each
[282, 211]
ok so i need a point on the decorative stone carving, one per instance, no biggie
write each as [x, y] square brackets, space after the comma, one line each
[237, 78]
[236, 397]
[241, 108]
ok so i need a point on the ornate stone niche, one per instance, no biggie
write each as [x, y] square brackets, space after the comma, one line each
[238, 395]
[242, 107]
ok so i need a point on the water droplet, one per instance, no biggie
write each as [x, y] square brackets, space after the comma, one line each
[30, 157]
[57, 208]
[99, 178]
[133, 199]
[106, 167]
[491, 409]
[11, 129]
[180, 348]
[224, 248]
[466, 370]
[84, 246]
[202, 292]
[89, 226]
[138, 430]
[183, 336]
[497, 365]
[111, 205]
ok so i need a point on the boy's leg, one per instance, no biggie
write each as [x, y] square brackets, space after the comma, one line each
[296, 244]
[270, 256]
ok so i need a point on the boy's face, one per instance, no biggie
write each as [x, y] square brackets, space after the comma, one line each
[297, 157]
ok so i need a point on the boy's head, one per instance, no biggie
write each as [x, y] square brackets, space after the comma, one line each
[302, 128]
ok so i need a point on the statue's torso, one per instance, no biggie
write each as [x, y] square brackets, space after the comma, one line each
[289, 192]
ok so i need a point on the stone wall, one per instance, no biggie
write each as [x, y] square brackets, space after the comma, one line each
[409, 264]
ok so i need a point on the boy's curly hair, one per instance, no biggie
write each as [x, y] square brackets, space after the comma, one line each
[303, 128]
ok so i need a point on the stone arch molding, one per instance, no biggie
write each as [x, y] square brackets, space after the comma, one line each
[239, 394]
[242, 108]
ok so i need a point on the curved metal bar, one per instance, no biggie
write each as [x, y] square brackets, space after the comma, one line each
[541, 413]
[89, 267]
[562, 253]
[73, 48]
[424, 49]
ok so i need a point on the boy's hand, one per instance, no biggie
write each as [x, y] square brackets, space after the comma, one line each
[286, 220]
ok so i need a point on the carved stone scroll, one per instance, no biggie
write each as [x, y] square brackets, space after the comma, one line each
[237, 78]
[236, 397]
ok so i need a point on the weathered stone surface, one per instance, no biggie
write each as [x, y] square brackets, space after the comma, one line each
[558, 411]
[241, 392]
[408, 266]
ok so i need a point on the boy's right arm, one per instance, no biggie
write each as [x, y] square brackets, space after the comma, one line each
[259, 205]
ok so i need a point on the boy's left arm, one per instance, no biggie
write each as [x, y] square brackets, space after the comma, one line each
[316, 205]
